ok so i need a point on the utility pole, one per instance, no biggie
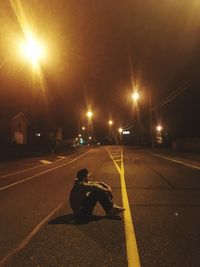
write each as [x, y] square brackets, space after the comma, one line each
[150, 118]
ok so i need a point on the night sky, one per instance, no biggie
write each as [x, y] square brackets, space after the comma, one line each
[97, 51]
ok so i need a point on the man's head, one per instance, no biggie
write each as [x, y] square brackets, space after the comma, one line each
[82, 175]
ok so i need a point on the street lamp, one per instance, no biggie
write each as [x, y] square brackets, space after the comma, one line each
[110, 122]
[89, 114]
[32, 49]
[159, 134]
[83, 128]
[135, 96]
[159, 128]
[110, 130]
[120, 130]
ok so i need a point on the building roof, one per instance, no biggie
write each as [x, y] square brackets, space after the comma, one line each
[22, 116]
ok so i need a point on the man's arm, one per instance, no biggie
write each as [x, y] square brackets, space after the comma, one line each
[105, 185]
[108, 189]
[94, 186]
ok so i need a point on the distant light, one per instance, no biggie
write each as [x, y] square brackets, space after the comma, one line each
[110, 122]
[38, 134]
[120, 130]
[90, 137]
[79, 135]
[126, 132]
[83, 128]
[98, 144]
[89, 114]
[76, 138]
[159, 128]
[135, 96]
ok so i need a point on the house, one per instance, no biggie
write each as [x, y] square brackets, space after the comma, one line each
[19, 129]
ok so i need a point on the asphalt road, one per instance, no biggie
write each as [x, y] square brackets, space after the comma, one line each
[162, 193]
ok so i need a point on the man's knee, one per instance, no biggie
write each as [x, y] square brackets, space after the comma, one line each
[104, 194]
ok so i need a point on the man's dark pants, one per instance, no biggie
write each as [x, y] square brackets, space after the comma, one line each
[90, 201]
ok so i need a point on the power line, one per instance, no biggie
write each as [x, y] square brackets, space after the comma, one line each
[174, 94]
[165, 101]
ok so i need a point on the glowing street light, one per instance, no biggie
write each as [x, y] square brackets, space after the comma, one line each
[89, 114]
[135, 96]
[110, 122]
[89, 122]
[32, 49]
[120, 130]
[159, 128]
[90, 137]
[83, 128]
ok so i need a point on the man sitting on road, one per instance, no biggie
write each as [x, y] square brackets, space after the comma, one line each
[85, 194]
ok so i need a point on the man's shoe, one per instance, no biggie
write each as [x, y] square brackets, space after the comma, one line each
[114, 211]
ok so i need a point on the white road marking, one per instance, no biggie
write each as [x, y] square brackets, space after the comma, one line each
[178, 161]
[38, 174]
[24, 242]
[35, 167]
[118, 160]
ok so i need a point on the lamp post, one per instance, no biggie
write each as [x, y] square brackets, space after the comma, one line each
[159, 129]
[120, 130]
[136, 116]
[150, 119]
[89, 115]
[110, 134]
[136, 96]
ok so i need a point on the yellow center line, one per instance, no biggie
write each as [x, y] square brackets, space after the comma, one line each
[131, 244]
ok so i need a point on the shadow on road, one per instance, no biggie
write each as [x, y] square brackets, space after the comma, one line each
[70, 219]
